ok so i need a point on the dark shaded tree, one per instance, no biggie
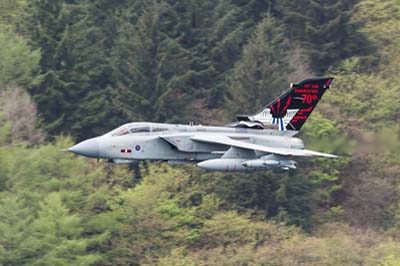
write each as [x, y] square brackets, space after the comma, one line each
[150, 66]
[74, 65]
[324, 30]
[261, 72]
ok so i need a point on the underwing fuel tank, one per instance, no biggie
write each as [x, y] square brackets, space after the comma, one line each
[227, 165]
[121, 161]
[243, 165]
[260, 164]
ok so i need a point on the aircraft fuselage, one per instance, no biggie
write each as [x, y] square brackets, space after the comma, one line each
[244, 145]
[168, 142]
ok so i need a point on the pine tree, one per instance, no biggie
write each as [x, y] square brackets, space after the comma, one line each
[15, 218]
[261, 72]
[19, 65]
[93, 36]
[47, 29]
[323, 30]
[214, 33]
[50, 238]
[151, 67]
[53, 238]
[75, 66]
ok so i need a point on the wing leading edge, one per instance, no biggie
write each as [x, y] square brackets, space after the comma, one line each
[250, 146]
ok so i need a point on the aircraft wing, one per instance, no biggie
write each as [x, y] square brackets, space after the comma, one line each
[250, 146]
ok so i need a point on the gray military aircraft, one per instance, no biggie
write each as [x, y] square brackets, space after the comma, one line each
[258, 142]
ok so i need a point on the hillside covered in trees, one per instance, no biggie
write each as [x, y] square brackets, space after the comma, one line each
[71, 70]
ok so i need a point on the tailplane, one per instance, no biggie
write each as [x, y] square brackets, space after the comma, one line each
[291, 110]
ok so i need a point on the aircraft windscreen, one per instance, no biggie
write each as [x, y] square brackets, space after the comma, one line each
[120, 131]
[159, 129]
[139, 129]
[133, 129]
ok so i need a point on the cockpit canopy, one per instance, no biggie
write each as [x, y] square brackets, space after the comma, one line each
[136, 128]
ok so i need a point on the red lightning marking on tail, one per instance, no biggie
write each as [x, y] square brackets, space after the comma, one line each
[287, 104]
[328, 82]
[302, 111]
[298, 117]
[279, 104]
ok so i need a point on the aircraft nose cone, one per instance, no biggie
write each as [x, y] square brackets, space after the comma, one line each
[88, 148]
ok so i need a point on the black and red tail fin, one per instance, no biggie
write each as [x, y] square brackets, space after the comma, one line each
[291, 110]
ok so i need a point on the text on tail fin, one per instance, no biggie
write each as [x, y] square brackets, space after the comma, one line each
[291, 110]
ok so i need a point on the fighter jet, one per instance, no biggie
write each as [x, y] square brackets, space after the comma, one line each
[261, 141]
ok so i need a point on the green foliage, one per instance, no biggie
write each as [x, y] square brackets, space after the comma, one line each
[44, 189]
[278, 195]
[55, 236]
[11, 14]
[150, 219]
[324, 29]
[75, 67]
[5, 131]
[386, 254]
[104, 63]
[365, 107]
[73, 210]
[380, 26]
[371, 104]
[52, 236]
[262, 68]
[15, 218]
[19, 64]
[151, 65]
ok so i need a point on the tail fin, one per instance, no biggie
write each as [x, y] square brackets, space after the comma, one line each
[291, 110]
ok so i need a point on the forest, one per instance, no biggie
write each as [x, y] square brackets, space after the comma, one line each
[75, 69]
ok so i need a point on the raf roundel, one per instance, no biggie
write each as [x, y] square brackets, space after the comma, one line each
[137, 148]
